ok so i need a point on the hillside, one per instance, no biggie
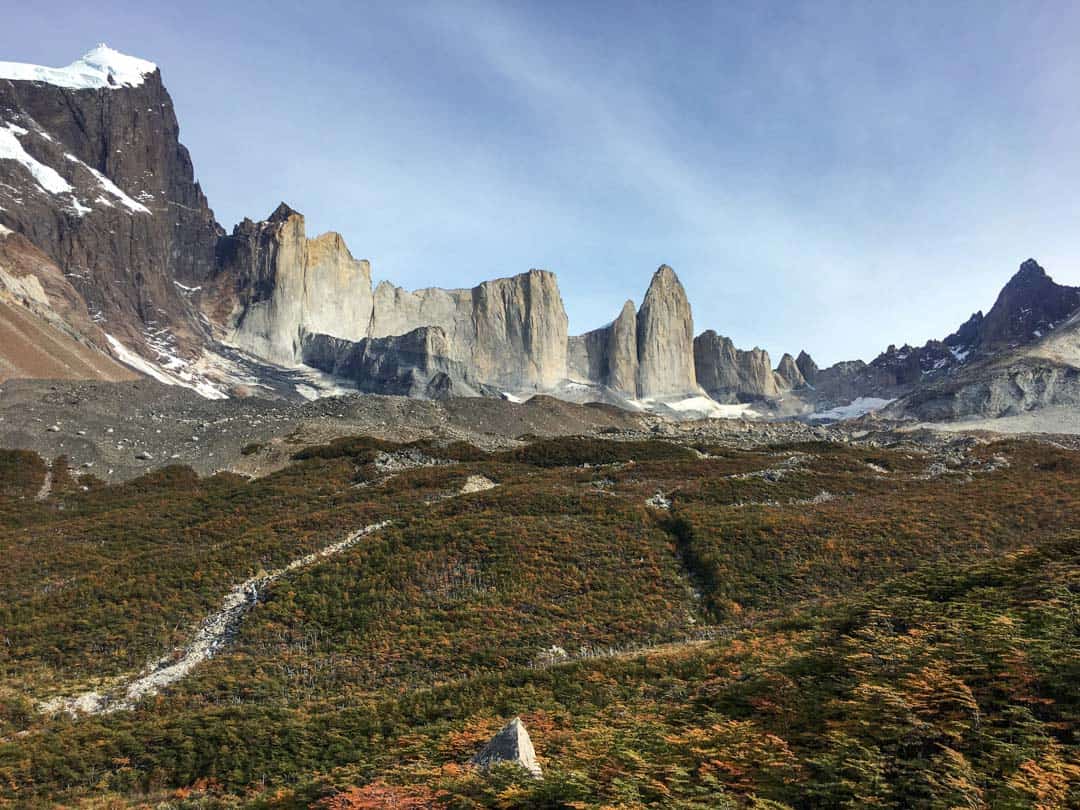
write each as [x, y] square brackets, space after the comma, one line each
[797, 625]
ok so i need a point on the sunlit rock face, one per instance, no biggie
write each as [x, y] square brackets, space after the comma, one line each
[286, 285]
[665, 338]
[510, 332]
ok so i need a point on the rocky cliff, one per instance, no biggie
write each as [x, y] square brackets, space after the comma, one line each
[608, 356]
[512, 332]
[665, 339]
[643, 354]
[729, 374]
[92, 172]
[416, 364]
[274, 287]
[111, 248]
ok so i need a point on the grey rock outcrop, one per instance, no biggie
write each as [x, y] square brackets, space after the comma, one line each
[511, 744]
[788, 375]
[608, 356]
[729, 374]
[622, 367]
[416, 364]
[275, 287]
[807, 367]
[511, 331]
[665, 339]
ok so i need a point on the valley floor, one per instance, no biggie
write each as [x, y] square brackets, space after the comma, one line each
[680, 623]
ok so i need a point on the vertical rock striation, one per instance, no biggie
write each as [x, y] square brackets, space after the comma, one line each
[665, 339]
[275, 287]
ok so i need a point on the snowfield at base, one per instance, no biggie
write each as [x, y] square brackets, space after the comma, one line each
[184, 379]
[10, 149]
[858, 407]
[102, 67]
[699, 407]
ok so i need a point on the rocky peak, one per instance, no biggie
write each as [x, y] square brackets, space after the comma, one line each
[622, 371]
[1030, 272]
[665, 338]
[94, 175]
[807, 367]
[282, 214]
[968, 333]
[1027, 308]
[790, 376]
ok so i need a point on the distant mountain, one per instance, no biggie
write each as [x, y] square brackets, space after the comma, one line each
[133, 267]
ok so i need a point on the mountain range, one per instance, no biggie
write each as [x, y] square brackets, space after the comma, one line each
[112, 265]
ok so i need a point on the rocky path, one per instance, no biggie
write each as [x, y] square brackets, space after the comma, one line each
[46, 487]
[215, 632]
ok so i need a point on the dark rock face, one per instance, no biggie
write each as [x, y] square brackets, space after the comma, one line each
[1027, 308]
[416, 364]
[807, 367]
[45, 329]
[120, 212]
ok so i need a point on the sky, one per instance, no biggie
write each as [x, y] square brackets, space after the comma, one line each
[825, 176]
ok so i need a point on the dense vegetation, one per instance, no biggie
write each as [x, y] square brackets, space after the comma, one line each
[806, 626]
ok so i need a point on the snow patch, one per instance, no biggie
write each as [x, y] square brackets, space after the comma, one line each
[180, 375]
[856, 408]
[111, 187]
[698, 407]
[46, 177]
[960, 355]
[5, 231]
[102, 67]
[512, 397]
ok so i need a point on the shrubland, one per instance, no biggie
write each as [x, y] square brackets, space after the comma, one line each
[816, 625]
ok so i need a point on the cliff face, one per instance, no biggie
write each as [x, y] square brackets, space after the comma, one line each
[275, 286]
[95, 176]
[608, 356]
[643, 354]
[416, 364]
[281, 287]
[729, 374]
[665, 338]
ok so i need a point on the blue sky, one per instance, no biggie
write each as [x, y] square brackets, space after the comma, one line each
[828, 176]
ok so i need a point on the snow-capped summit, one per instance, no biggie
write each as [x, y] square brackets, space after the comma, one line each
[101, 67]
